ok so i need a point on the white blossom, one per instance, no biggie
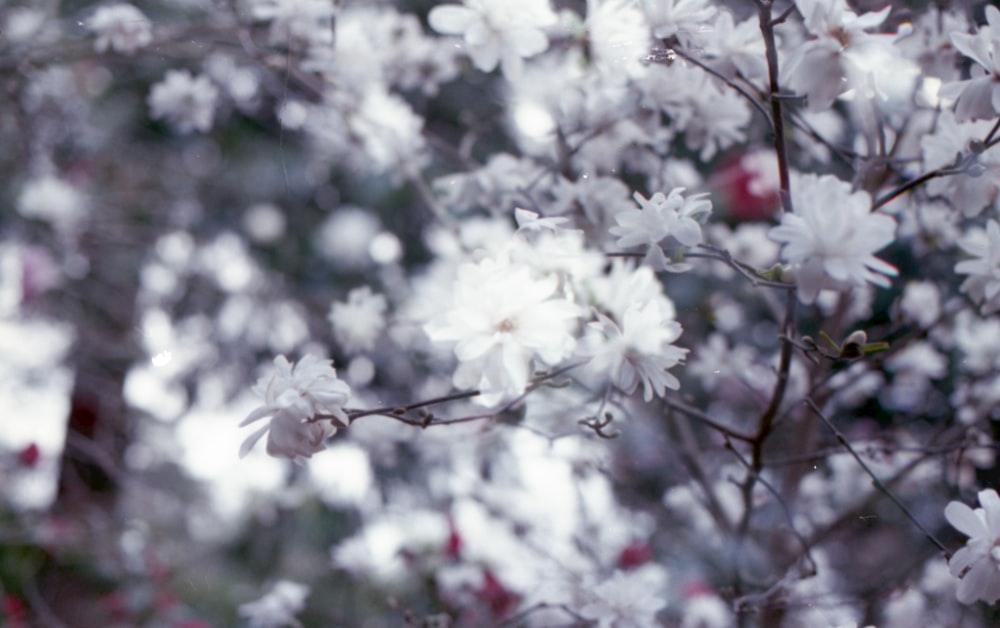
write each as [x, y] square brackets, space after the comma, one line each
[293, 396]
[983, 284]
[628, 599]
[640, 351]
[978, 98]
[682, 18]
[53, 200]
[977, 564]
[832, 236]
[278, 607]
[503, 32]
[660, 217]
[120, 27]
[358, 322]
[186, 102]
[297, 21]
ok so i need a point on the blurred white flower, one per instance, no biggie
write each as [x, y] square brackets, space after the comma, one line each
[502, 318]
[186, 102]
[659, 217]
[278, 607]
[497, 31]
[358, 322]
[978, 98]
[832, 236]
[640, 351]
[921, 303]
[983, 284]
[625, 600]
[293, 396]
[53, 200]
[120, 27]
[977, 565]
[297, 21]
[678, 17]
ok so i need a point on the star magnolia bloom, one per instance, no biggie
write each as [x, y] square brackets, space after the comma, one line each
[293, 396]
[983, 284]
[660, 217]
[979, 96]
[832, 236]
[497, 31]
[978, 563]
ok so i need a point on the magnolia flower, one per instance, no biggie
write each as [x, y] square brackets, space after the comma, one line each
[983, 284]
[662, 216]
[640, 351]
[186, 102]
[358, 322]
[832, 236]
[678, 17]
[497, 31]
[502, 320]
[978, 98]
[278, 607]
[293, 397]
[297, 21]
[53, 200]
[120, 27]
[977, 564]
[625, 600]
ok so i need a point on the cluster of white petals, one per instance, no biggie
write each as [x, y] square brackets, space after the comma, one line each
[983, 284]
[503, 32]
[278, 607]
[681, 18]
[53, 200]
[660, 217]
[978, 563]
[503, 319]
[358, 322]
[832, 236]
[293, 397]
[297, 21]
[626, 599]
[186, 102]
[978, 98]
[121, 28]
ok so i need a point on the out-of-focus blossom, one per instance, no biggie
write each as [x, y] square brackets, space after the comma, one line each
[278, 607]
[53, 200]
[293, 397]
[977, 564]
[121, 28]
[832, 236]
[186, 102]
[682, 18]
[983, 284]
[978, 98]
[503, 32]
[628, 599]
[297, 21]
[358, 322]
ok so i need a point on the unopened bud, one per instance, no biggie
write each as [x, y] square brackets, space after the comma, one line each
[853, 347]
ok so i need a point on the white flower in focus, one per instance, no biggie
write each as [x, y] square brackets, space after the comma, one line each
[625, 600]
[278, 607]
[978, 98]
[51, 199]
[359, 322]
[497, 31]
[293, 396]
[120, 27]
[186, 102]
[832, 237]
[659, 217]
[839, 55]
[503, 318]
[977, 565]
[678, 17]
[983, 284]
[640, 351]
[297, 21]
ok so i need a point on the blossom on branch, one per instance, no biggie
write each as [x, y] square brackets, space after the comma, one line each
[294, 396]
[978, 98]
[184, 101]
[978, 563]
[832, 236]
[983, 284]
[121, 28]
[660, 217]
[503, 32]
[278, 607]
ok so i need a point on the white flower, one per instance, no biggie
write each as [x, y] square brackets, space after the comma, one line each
[293, 396]
[186, 102]
[297, 21]
[662, 216]
[921, 303]
[625, 600]
[678, 17]
[502, 319]
[358, 322]
[120, 27]
[979, 96]
[978, 563]
[51, 199]
[839, 55]
[983, 284]
[497, 31]
[832, 236]
[278, 607]
[640, 351]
